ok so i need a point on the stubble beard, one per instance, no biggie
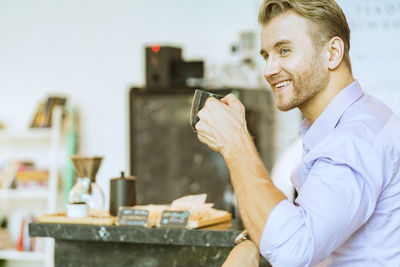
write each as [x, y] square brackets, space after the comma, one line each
[305, 85]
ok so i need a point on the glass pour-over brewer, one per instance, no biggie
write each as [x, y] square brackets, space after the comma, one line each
[85, 189]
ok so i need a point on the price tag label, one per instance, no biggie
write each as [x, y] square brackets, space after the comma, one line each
[175, 219]
[132, 216]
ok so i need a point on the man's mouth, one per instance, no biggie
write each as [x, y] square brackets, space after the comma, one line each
[282, 84]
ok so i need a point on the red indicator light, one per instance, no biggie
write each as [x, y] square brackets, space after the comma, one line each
[155, 48]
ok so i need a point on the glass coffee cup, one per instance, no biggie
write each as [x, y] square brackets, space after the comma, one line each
[199, 100]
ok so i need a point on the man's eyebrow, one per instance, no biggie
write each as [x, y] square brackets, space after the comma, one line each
[277, 44]
[281, 42]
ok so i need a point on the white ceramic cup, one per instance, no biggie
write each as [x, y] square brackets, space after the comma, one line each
[77, 210]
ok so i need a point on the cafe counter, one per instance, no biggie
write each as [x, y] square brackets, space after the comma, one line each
[111, 245]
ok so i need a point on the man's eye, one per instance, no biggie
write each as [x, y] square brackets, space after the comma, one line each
[284, 51]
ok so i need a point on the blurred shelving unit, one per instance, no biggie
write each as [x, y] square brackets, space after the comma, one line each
[44, 146]
[12, 254]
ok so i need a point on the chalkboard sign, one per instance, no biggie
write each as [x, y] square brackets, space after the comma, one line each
[174, 219]
[132, 216]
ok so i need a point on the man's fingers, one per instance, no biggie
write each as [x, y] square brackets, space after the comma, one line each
[210, 106]
[202, 113]
[199, 126]
[229, 100]
[232, 101]
[211, 101]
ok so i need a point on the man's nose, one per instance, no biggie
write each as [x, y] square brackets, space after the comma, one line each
[271, 68]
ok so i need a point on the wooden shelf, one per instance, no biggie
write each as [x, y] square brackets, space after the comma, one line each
[28, 135]
[24, 194]
[12, 254]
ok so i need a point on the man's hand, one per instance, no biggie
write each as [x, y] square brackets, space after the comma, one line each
[243, 255]
[222, 123]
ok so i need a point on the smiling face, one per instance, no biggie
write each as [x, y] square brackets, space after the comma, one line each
[295, 67]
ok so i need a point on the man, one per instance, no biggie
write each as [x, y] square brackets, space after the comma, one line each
[348, 182]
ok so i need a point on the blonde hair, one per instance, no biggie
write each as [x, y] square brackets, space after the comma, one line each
[327, 18]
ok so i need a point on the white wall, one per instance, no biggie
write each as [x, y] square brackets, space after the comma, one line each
[375, 47]
[92, 51]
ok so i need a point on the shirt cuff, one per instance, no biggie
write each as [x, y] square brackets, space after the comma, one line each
[280, 216]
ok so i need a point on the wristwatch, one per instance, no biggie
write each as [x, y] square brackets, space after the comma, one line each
[242, 237]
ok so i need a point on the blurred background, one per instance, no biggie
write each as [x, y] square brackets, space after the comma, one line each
[92, 53]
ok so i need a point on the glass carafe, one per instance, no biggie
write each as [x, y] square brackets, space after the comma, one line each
[85, 189]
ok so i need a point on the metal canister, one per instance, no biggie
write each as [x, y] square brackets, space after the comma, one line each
[122, 193]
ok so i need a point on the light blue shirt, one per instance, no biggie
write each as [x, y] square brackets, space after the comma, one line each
[348, 184]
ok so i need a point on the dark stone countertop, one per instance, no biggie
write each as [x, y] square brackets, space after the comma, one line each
[222, 235]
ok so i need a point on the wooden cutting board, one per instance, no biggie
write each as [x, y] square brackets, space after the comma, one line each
[220, 217]
[103, 218]
[61, 217]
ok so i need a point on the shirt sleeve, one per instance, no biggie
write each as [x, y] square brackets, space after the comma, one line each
[334, 201]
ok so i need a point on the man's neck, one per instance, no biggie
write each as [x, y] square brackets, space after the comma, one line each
[337, 81]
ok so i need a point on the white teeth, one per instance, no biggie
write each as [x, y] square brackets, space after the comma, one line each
[282, 84]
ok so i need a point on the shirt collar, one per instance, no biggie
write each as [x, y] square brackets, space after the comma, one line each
[329, 118]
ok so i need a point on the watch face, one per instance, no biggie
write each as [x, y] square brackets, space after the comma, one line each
[241, 237]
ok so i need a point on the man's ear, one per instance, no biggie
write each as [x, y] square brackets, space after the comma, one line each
[335, 50]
